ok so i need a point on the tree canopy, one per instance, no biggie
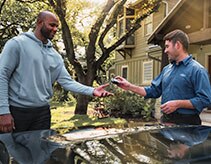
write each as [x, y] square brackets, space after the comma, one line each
[17, 17]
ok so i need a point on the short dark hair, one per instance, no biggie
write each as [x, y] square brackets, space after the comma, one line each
[178, 35]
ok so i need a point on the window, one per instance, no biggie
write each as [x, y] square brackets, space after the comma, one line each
[148, 25]
[125, 22]
[124, 71]
[121, 28]
[147, 71]
[130, 40]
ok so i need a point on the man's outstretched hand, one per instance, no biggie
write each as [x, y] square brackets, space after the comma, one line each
[101, 92]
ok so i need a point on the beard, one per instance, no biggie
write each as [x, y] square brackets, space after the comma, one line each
[46, 33]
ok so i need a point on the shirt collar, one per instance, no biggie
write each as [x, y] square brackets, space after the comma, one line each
[185, 61]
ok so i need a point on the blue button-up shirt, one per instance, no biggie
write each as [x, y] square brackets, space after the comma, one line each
[187, 80]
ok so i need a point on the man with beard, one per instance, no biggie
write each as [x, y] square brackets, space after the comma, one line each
[183, 84]
[29, 66]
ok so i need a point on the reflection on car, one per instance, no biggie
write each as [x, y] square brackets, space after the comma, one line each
[154, 144]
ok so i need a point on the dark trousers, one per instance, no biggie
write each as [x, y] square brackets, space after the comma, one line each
[27, 119]
[181, 119]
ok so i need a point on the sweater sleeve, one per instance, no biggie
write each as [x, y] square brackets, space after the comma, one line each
[8, 62]
[70, 84]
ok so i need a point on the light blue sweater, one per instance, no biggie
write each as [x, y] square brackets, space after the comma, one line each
[28, 68]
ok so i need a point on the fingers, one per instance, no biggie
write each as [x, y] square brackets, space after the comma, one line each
[6, 129]
[163, 106]
[105, 94]
[105, 85]
[167, 110]
[119, 78]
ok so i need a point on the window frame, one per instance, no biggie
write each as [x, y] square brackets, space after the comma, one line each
[147, 81]
[122, 72]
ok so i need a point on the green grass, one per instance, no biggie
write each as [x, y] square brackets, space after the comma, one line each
[63, 119]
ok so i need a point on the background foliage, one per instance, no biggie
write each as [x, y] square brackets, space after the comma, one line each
[126, 104]
[17, 17]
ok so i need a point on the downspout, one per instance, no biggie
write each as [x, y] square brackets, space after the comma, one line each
[167, 7]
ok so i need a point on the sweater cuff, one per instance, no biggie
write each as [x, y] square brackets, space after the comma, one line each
[4, 110]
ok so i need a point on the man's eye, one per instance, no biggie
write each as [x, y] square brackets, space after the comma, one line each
[53, 25]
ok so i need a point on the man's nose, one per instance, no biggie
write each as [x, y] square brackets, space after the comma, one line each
[55, 29]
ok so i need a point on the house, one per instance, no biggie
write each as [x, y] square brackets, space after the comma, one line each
[139, 58]
[143, 51]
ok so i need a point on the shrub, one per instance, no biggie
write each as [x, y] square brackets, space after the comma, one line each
[129, 105]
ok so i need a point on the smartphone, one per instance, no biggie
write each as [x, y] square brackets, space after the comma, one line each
[114, 81]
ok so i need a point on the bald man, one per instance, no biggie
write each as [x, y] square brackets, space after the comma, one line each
[29, 65]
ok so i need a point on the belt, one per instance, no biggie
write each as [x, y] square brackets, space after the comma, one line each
[29, 109]
[180, 114]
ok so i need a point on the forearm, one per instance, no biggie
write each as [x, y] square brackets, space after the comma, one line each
[70, 84]
[184, 104]
[4, 104]
[173, 105]
[137, 89]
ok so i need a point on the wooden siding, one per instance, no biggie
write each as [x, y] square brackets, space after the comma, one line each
[139, 53]
[171, 4]
[201, 53]
[135, 69]
[158, 17]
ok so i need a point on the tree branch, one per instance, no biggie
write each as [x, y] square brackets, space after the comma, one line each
[150, 9]
[30, 1]
[90, 52]
[1, 6]
[5, 28]
[60, 10]
[113, 19]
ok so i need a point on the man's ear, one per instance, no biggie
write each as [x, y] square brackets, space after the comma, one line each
[178, 45]
[39, 22]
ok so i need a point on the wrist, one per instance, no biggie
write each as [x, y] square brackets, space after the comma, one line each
[129, 86]
[178, 103]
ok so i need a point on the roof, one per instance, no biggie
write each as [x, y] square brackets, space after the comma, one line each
[189, 16]
[165, 20]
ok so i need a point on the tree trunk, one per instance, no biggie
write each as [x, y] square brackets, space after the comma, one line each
[82, 104]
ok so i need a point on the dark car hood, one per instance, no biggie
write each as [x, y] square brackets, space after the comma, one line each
[154, 144]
